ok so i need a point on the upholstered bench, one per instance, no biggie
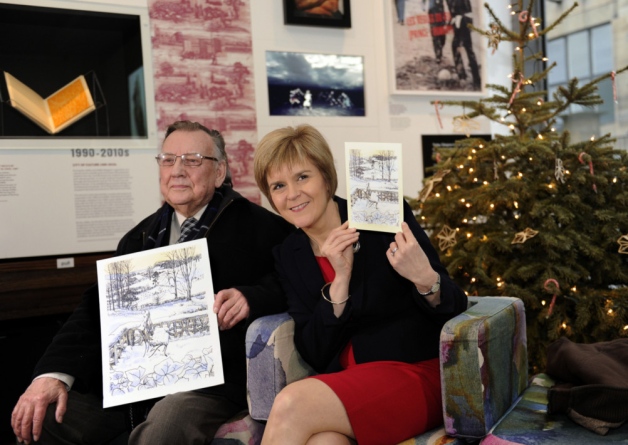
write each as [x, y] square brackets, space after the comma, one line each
[528, 423]
[483, 359]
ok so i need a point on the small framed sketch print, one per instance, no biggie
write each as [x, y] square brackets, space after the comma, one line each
[375, 198]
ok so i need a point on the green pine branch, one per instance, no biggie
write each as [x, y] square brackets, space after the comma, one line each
[572, 195]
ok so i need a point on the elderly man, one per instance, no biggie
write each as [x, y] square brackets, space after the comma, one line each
[194, 182]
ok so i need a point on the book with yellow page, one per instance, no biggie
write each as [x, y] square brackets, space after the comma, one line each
[56, 112]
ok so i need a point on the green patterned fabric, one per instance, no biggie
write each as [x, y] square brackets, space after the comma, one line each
[484, 364]
[242, 430]
[483, 367]
[529, 424]
[483, 371]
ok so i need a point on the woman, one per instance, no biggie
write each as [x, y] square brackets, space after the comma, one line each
[368, 307]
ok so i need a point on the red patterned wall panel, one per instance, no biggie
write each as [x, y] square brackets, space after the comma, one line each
[203, 67]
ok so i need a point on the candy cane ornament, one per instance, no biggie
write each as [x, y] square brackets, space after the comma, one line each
[553, 302]
[582, 161]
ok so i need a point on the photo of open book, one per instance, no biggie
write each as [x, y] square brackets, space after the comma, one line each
[56, 112]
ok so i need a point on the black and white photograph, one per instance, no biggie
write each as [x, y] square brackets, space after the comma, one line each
[375, 197]
[326, 13]
[307, 84]
[431, 48]
[159, 332]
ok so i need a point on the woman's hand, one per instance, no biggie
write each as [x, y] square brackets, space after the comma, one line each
[409, 260]
[338, 249]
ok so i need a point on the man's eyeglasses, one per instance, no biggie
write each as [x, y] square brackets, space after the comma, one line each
[188, 159]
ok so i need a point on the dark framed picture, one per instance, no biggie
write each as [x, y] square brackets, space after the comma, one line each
[326, 13]
[432, 142]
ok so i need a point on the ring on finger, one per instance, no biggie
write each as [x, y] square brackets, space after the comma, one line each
[394, 250]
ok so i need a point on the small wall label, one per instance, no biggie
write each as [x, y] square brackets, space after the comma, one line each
[65, 263]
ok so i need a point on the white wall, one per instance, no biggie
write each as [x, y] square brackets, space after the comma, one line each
[398, 118]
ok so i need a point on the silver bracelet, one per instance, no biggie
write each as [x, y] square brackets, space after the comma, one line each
[328, 299]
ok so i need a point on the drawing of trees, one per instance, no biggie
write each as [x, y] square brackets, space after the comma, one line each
[149, 272]
[169, 278]
[118, 292]
[182, 265]
[355, 161]
[387, 162]
[188, 259]
[172, 258]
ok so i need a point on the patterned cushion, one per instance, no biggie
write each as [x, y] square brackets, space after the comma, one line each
[484, 365]
[483, 372]
[241, 430]
[529, 424]
[437, 436]
[272, 362]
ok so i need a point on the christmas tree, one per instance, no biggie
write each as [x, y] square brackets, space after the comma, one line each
[531, 213]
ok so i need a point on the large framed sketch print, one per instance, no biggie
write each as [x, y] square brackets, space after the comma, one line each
[159, 332]
[432, 50]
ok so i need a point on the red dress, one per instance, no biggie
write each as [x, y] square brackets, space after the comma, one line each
[387, 402]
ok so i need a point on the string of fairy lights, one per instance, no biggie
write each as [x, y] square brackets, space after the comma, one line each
[512, 118]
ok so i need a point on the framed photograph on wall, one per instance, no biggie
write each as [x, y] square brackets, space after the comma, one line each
[326, 13]
[432, 50]
[310, 84]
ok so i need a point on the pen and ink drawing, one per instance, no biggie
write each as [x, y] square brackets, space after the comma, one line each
[159, 333]
[375, 199]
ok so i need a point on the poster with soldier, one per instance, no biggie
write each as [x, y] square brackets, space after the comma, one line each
[158, 330]
[432, 49]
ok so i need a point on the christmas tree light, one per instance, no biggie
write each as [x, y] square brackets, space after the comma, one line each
[532, 214]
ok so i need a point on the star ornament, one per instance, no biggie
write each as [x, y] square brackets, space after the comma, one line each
[524, 236]
[465, 125]
[623, 244]
[429, 185]
[559, 171]
[439, 175]
[494, 37]
[446, 238]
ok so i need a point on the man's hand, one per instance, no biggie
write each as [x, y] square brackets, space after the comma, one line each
[231, 307]
[28, 414]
